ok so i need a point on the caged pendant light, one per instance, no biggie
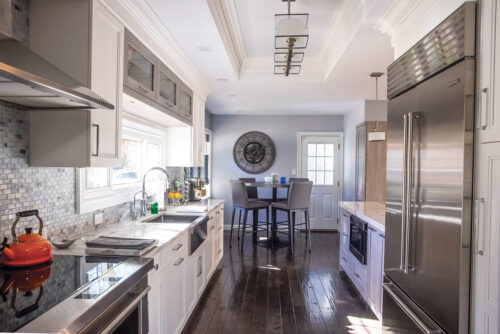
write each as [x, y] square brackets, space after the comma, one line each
[376, 134]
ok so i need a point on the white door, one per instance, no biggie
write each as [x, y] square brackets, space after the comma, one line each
[320, 163]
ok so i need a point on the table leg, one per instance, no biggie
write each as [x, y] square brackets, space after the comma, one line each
[274, 241]
[255, 215]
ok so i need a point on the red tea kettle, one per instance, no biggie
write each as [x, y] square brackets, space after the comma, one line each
[28, 249]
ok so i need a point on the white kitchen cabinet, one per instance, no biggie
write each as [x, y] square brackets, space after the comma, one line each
[485, 245]
[209, 247]
[488, 122]
[173, 307]
[366, 277]
[376, 243]
[86, 41]
[154, 301]
[186, 144]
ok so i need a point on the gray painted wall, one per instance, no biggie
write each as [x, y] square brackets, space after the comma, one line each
[282, 130]
[208, 120]
[369, 110]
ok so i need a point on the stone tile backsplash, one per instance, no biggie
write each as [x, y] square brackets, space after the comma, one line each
[50, 190]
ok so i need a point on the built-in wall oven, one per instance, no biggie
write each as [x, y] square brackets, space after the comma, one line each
[358, 238]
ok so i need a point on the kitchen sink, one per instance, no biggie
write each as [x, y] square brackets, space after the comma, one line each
[171, 219]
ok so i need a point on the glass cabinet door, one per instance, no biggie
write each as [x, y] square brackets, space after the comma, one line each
[185, 103]
[140, 66]
[167, 89]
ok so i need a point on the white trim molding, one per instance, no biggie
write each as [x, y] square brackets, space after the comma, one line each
[141, 20]
[227, 21]
[408, 21]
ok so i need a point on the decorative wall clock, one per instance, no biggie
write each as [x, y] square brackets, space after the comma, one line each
[254, 152]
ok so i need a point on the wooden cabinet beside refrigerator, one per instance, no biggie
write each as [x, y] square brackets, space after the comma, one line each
[370, 163]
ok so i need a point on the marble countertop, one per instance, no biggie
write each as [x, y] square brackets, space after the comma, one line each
[128, 228]
[371, 212]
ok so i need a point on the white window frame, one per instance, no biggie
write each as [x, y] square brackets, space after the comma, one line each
[89, 200]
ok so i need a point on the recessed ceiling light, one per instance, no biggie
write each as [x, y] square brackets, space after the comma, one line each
[204, 48]
[241, 111]
[329, 95]
[316, 111]
[231, 95]
[222, 80]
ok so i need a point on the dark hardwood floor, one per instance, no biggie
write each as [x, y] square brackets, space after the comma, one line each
[271, 291]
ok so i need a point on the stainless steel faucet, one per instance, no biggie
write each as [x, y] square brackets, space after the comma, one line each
[144, 199]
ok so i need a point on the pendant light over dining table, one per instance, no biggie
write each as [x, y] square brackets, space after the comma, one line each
[291, 35]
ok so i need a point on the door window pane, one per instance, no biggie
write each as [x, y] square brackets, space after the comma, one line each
[167, 88]
[329, 150]
[140, 69]
[320, 177]
[329, 178]
[311, 150]
[311, 175]
[131, 166]
[329, 164]
[320, 150]
[320, 163]
[97, 178]
[311, 163]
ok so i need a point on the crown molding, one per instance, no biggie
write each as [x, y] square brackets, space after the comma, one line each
[140, 19]
[341, 32]
[226, 19]
[407, 21]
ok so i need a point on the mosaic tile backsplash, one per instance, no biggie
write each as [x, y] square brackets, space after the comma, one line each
[50, 190]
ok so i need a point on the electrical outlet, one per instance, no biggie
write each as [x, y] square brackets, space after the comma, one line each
[294, 171]
[98, 218]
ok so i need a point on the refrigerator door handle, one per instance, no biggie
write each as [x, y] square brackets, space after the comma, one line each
[409, 174]
[404, 193]
[417, 316]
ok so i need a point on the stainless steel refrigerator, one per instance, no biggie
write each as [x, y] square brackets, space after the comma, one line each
[430, 128]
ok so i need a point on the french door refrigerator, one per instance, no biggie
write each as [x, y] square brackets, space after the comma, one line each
[430, 126]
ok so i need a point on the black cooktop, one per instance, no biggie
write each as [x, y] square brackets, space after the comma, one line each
[29, 292]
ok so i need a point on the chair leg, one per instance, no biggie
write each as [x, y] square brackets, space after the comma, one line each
[255, 218]
[245, 214]
[267, 223]
[293, 220]
[232, 226]
[308, 227]
[239, 222]
[273, 213]
[290, 230]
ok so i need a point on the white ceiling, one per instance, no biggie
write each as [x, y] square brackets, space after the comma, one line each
[344, 48]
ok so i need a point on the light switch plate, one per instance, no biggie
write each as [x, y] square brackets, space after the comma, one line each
[98, 218]
[294, 171]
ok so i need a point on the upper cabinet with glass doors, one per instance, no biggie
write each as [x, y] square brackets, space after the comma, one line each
[146, 78]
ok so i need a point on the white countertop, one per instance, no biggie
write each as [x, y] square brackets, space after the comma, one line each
[371, 212]
[164, 233]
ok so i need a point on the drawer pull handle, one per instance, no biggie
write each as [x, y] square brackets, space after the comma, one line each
[220, 251]
[176, 248]
[343, 258]
[179, 261]
[355, 274]
[212, 227]
[156, 267]
[220, 228]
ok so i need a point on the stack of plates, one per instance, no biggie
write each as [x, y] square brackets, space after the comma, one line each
[119, 246]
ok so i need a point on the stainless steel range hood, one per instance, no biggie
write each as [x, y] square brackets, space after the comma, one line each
[28, 80]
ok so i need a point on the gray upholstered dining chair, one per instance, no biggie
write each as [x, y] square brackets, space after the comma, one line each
[242, 203]
[290, 180]
[299, 196]
[253, 193]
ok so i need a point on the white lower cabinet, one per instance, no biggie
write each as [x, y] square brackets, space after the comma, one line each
[366, 277]
[154, 302]
[179, 279]
[376, 270]
[486, 251]
[173, 310]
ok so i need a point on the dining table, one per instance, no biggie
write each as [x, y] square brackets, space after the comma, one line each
[273, 241]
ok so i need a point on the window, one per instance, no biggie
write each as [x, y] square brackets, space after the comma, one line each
[320, 163]
[143, 147]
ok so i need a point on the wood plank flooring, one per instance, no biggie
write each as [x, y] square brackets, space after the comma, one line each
[271, 291]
